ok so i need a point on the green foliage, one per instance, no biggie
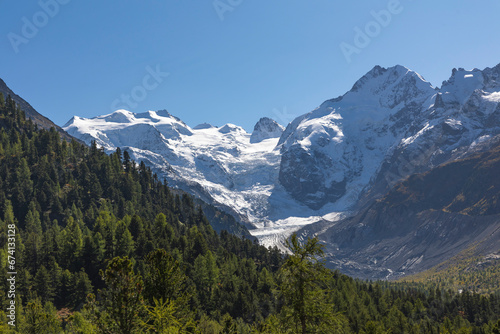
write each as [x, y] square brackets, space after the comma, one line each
[496, 328]
[121, 304]
[165, 279]
[80, 323]
[40, 320]
[305, 290]
[205, 276]
[209, 326]
[2, 100]
[164, 317]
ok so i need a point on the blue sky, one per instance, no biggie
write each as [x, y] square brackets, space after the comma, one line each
[229, 61]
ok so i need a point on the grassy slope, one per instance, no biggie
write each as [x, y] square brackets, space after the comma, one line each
[465, 271]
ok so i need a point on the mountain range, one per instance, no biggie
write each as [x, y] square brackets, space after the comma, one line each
[379, 173]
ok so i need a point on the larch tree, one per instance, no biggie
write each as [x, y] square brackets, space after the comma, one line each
[304, 289]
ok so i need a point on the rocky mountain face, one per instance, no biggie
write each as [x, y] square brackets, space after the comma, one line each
[422, 221]
[266, 128]
[40, 120]
[390, 125]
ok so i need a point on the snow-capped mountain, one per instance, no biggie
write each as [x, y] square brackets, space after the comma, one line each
[391, 124]
[330, 154]
[264, 129]
[220, 165]
[351, 149]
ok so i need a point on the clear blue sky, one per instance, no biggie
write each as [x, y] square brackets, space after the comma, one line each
[253, 58]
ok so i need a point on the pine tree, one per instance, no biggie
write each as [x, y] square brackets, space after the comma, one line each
[164, 317]
[121, 304]
[23, 186]
[124, 240]
[496, 328]
[81, 287]
[40, 320]
[164, 278]
[304, 289]
[44, 285]
[71, 245]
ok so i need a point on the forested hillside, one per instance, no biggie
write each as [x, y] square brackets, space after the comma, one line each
[103, 246]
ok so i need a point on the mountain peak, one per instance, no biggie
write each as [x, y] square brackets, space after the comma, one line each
[266, 128]
[378, 71]
[373, 73]
[341, 155]
[381, 79]
[228, 128]
[119, 116]
[390, 87]
[462, 83]
[204, 126]
[164, 113]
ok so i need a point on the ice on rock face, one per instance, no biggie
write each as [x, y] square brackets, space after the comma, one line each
[221, 162]
[461, 85]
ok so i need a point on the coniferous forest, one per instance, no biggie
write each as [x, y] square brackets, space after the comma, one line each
[102, 245]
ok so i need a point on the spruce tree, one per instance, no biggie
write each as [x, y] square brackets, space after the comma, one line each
[120, 304]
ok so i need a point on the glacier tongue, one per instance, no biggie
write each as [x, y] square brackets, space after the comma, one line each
[390, 124]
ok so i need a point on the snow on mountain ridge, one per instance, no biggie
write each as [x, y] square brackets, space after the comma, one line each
[114, 130]
[461, 85]
[266, 128]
